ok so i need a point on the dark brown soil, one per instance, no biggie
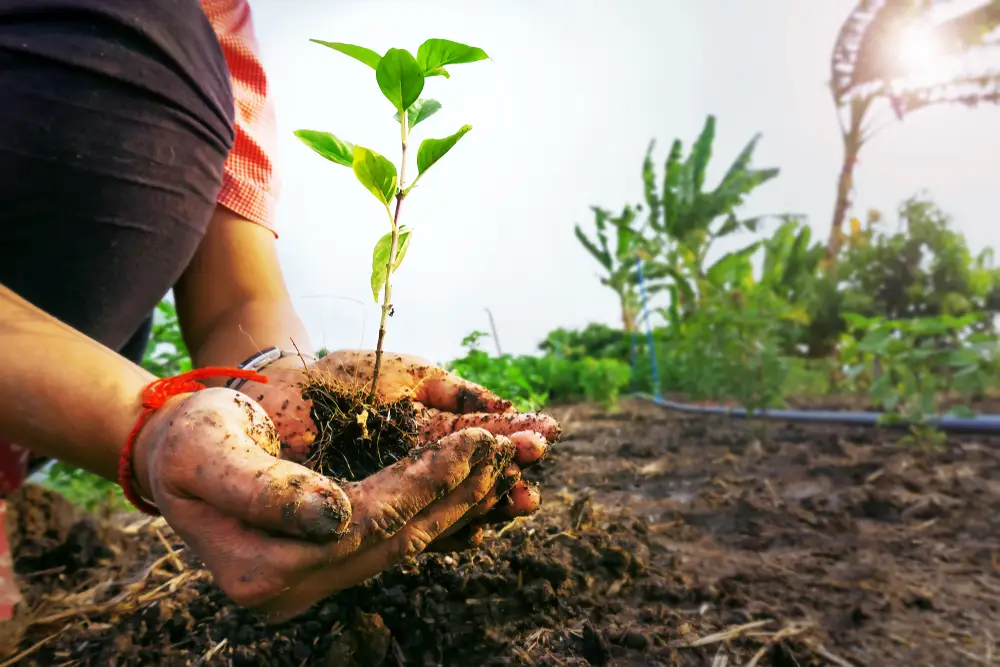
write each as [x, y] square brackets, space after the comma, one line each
[664, 540]
[356, 438]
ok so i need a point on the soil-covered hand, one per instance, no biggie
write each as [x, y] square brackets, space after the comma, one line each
[447, 404]
[279, 537]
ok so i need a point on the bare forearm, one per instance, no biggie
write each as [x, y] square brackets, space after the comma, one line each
[63, 395]
[248, 329]
[232, 301]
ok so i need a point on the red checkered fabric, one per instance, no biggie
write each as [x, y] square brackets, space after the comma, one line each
[249, 189]
[13, 469]
[250, 184]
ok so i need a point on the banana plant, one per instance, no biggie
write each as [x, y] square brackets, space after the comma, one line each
[620, 262]
[791, 261]
[872, 78]
[686, 218]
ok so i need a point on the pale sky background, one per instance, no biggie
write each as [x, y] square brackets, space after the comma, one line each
[562, 115]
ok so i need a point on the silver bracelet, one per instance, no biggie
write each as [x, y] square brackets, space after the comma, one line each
[260, 361]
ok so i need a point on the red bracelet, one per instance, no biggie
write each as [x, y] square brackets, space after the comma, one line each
[153, 397]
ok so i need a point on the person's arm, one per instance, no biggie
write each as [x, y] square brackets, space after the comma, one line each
[232, 300]
[62, 394]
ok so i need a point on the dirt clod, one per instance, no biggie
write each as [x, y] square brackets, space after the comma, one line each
[788, 557]
[355, 438]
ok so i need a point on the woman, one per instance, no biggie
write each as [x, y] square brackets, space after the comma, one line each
[135, 158]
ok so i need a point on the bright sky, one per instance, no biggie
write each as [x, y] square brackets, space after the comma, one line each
[562, 115]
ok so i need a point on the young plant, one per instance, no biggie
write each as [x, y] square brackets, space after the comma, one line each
[910, 365]
[401, 77]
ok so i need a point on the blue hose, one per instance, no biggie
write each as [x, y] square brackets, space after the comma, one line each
[649, 330]
[978, 425]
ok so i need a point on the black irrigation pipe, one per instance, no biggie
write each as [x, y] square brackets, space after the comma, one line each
[978, 425]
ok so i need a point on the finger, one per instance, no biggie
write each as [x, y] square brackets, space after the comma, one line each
[406, 544]
[469, 537]
[448, 392]
[531, 447]
[439, 424]
[497, 495]
[248, 564]
[385, 502]
[290, 411]
[214, 452]
[523, 500]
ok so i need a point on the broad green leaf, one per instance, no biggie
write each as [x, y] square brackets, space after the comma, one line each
[962, 411]
[327, 145]
[701, 153]
[602, 256]
[376, 173]
[432, 150]
[400, 78]
[419, 111]
[367, 56]
[627, 236]
[669, 196]
[380, 258]
[856, 321]
[726, 268]
[649, 187]
[434, 54]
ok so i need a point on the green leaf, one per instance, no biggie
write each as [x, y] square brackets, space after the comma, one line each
[434, 54]
[432, 150]
[602, 256]
[380, 258]
[649, 187]
[400, 78]
[856, 321]
[701, 153]
[327, 145]
[367, 56]
[376, 173]
[438, 71]
[725, 269]
[419, 111]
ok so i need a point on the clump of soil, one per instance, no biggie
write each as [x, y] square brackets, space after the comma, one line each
[356, 437]
[699, 544]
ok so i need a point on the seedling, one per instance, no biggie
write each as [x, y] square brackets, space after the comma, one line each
[401, 78]
[910, 365]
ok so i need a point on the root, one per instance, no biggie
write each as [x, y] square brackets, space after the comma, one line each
[356, 437]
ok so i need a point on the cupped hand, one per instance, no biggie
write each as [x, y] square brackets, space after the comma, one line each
[279, 537]
[447, 404]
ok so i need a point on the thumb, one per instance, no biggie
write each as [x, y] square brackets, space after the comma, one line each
[226, 438]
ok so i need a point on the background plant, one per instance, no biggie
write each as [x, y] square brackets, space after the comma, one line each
[910, 366]
[871, 78]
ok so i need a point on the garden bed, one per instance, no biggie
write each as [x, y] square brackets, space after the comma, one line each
[664, 539]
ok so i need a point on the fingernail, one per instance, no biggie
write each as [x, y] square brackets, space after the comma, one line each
[486, 448]
[329, 518]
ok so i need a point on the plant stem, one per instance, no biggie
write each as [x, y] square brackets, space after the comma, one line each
[393, 248]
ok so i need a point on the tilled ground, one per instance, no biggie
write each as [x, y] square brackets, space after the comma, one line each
[664, 540]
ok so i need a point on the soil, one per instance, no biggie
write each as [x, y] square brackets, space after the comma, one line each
[664, 539]
[357, 438]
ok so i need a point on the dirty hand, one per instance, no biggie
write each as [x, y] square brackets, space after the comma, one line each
[448, 404]
[279, 537]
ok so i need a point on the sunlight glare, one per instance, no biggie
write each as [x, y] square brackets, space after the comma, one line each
[921, 55]
[918, 49]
